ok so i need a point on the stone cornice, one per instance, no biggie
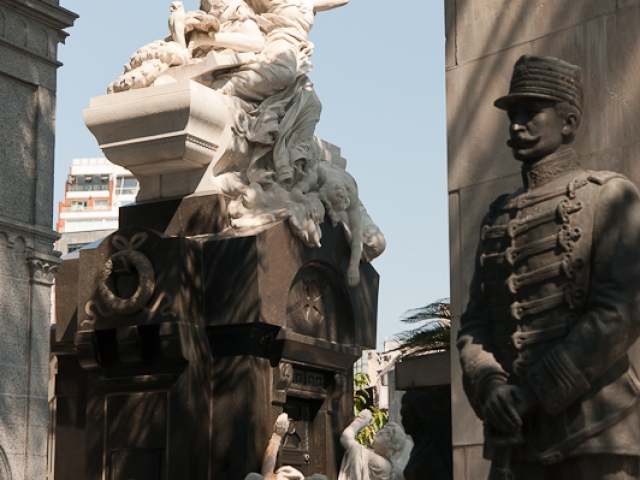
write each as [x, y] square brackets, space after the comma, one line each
[38, 231]
[44, 12]
[54, 63]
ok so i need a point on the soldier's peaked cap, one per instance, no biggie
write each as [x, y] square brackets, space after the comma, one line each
[547, 78]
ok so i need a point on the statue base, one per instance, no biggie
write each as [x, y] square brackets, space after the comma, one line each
[177, 347]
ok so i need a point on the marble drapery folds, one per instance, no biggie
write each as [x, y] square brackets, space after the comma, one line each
[256, 55]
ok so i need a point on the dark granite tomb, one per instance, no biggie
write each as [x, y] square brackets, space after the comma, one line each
[177, 346]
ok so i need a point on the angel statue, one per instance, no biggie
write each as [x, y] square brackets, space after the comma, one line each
[390, 454]
[256, 55]
[271, 455]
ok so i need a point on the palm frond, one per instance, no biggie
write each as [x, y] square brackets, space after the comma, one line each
[438, 309]
[433, 337]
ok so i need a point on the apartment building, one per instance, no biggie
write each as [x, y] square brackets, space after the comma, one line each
[94, 190]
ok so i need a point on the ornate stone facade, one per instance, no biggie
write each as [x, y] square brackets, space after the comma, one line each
[29, 34]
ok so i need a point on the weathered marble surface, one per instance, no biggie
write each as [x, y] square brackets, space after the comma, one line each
[223, 105]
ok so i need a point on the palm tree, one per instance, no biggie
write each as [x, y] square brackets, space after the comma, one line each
[433, 335]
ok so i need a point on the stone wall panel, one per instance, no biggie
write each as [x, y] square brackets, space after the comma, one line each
[461, 412]
[34, 466]
[631, 160]
[12, 437]
[489, 26]
[18, 117]
[468, 463]
[17, 465]
[450, 31]
[15, 63]
[13, 380]
[625, 47]
[476, 130]
[627, 3]
[455, 251]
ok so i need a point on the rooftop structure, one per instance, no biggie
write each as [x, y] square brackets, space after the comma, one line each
[94, 190]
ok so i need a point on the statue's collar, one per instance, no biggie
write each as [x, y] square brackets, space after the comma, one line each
[549, 168]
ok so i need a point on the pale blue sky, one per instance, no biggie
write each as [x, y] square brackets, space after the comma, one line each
[379, 72]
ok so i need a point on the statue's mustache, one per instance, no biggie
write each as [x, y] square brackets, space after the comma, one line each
[520, 139]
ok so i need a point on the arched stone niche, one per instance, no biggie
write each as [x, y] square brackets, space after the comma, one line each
[39, 42]
[318, 305]
[18, 32]
[3, 24]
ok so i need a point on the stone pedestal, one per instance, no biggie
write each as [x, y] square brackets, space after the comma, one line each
[178, 346]
[426, 414]
[166, 135]
[174, 137]
[29, 37]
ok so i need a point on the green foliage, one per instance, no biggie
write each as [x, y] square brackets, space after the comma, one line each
[360, 399]
[433, 335]
[430, 338]
[360, 394]
[438, 310]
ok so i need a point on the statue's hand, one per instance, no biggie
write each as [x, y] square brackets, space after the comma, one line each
[364, 417]
[353, 275]
[282, 424]
[289, 473]
[499, 406]
[526, 399]
[307, 51]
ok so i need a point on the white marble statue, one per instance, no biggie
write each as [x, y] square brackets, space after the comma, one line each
[256, 55]
[387, 460]
[271, 455]
[177, 23]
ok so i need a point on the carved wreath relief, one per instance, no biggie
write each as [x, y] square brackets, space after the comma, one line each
[127, 262]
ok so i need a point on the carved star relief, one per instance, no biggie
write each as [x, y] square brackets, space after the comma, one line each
[313, 300]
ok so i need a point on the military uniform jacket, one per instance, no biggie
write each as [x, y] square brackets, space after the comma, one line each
[555, 302]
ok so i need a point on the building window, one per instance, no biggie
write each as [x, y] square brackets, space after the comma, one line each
[126, 186]
[87, 183]
[79, 205]
[72, 247]
[101, 204]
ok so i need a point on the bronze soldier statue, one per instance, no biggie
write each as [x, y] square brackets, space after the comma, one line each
[555, 299]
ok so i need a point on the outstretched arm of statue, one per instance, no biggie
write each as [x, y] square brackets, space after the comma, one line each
[324, 5]
[271, 454]
[247, 39]
[348, 436]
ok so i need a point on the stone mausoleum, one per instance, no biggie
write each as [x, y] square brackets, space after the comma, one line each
[29, 35]
[237, 287]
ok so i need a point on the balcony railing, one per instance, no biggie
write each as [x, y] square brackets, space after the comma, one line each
[73, 187]
[126, 191]
[79, 209]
